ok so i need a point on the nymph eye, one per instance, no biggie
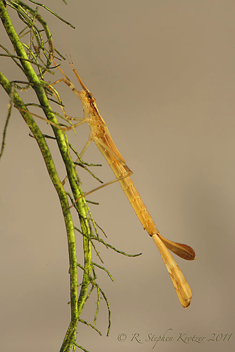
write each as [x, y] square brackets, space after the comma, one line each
[90, 96]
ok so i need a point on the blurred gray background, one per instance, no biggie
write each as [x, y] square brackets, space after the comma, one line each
[163, 76]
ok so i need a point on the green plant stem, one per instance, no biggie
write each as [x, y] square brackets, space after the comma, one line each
[88, 226]
[38, 87]
[61, 193]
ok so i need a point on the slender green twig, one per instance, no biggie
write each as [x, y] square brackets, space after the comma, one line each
[97, 305]
[92, 326]
[55, 14]
[82, 348]
[109, 245]
[102, 268]
[7, 120]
